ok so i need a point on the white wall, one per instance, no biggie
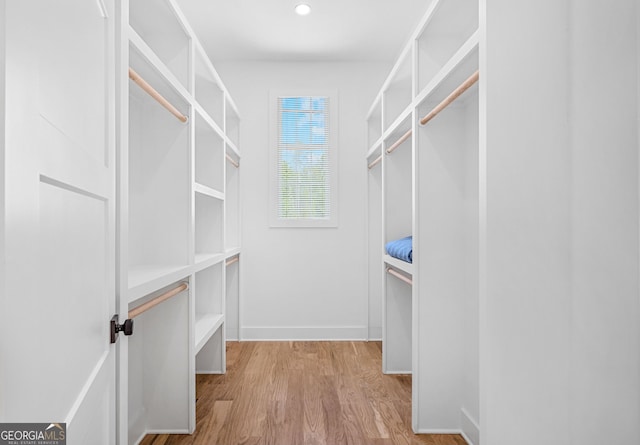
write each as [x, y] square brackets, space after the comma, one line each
[560, 320]
[303, 283]
[604, 390]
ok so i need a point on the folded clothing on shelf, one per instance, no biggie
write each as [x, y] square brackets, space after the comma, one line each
[401, 249]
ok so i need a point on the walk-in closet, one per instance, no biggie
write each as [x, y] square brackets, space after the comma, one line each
[319, 222]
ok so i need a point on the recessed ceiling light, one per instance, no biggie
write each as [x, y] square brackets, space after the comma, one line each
[303, 9]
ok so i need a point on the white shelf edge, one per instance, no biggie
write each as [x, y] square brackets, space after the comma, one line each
[466, 50]
[374, 148]
[204, 260]
[233, 104]
[208, 191]
[159, 277]
[398, 264]
[424, 22]
[398, 121]
[206, 326]
[406, 48]
[146, 52]
[232, 146]
[208, 119]
[231, 252]
[406, 52]
[376, 102]
[205, 58]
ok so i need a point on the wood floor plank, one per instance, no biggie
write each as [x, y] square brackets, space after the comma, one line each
[303, 393]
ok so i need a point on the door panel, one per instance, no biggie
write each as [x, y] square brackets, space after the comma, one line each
[59, 218]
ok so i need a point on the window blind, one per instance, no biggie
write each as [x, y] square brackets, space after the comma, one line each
[304, 188]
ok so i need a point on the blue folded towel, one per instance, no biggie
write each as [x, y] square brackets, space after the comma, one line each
[401, 249]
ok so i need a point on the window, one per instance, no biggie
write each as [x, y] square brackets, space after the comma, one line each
[304, 152]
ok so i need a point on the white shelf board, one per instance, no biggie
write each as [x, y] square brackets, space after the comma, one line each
[151, 57]
[376, 103]
[373, 150]
[206, 326]
[406, 52]
[461, 62]
[398, 122]
[233, 105]
[147, 278]
[208, 191]
[231, 252]
[208, 119]
[204, 260]
[232, 146]
[398, 264]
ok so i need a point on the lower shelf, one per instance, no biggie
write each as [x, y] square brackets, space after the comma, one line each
[206, 326]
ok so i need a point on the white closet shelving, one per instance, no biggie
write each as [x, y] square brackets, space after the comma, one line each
[178, 217]
[429, 189]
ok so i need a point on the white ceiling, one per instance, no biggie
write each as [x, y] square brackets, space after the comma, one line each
[336, 30]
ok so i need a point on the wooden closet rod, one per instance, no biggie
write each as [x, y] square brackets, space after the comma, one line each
[453, 96]
[144, 307]
[230, 261]
[232, 161]
[399, 142]
[400, 276]
[375, 162]
[157, 96]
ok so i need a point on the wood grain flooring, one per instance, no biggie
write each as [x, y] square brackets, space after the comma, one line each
[311, 393]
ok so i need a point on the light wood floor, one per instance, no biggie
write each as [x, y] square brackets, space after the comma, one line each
[312, 393]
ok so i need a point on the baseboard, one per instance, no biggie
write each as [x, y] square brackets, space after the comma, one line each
[304, 333]
[438, 431]
[137, 442]
[470, 428]
[210, 372]
[142, 436]
[397, 372]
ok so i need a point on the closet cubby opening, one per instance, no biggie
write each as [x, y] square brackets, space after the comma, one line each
[232, 204]
[447, 245]
[157, 23]
[209, 155]
[209, 303]
[397, 335]
[451, 24]
[232, 307]
[447, 82]
[232, 123]
[209, 93]
[374, 240]
[374, 157]
[158, 180]
[374, 123]
[398, 176]
[398, 94]
[209, 220]
[159, 359]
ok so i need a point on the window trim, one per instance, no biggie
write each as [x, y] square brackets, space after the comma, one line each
[274, 220]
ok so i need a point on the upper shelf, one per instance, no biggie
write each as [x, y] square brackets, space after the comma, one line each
[209, 92]
[398, 91]
[161, 27]
[460, 67]
[447, 26]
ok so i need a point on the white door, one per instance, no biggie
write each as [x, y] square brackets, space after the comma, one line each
[58, 295]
